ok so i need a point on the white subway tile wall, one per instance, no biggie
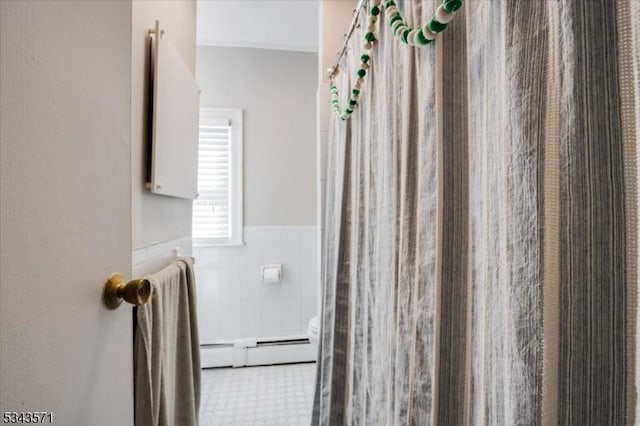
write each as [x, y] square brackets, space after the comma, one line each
[233, 301]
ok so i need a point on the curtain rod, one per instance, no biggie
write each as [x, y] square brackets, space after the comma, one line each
[354, 23]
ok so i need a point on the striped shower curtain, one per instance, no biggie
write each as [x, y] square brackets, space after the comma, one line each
[481, 244]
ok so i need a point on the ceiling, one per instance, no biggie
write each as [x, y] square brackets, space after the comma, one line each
[269, 24]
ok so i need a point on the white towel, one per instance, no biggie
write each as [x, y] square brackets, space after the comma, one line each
[167, 350]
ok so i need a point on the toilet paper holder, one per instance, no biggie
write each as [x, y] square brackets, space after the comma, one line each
[271, 273]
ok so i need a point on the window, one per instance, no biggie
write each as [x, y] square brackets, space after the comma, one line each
[217, 213]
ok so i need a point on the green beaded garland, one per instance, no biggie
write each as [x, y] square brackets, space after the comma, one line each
[421, 39]
[352, 103]
[394, 18]
[395, 26]
[435, 26]
[404, 35]
[452, 5]
[400, 30]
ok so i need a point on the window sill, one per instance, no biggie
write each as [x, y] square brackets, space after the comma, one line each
[213, 244]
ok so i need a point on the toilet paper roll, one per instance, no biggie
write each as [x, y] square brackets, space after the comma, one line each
[271, 273]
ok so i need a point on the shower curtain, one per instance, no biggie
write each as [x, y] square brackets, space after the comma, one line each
[480, 247]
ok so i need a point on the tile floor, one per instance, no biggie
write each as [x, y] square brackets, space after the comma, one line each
[269, 395]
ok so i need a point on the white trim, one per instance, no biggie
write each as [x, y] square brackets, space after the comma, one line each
[298, 228]
[212, 242]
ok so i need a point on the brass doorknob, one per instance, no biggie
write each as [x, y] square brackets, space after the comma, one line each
[136, 292]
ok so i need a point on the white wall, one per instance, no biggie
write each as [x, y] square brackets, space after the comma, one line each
[156, 219]
[276, 89]
[65, 84]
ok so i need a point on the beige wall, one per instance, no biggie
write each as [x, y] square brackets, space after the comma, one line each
[65, 84]
[156, 218]
[277, 91]
[335, 18]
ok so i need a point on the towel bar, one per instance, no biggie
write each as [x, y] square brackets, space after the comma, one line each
[136, 292]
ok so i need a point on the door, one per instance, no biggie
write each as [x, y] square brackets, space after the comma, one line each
[65, 225]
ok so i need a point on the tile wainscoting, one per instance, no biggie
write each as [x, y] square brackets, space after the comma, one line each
[235, 304]
[150, 259]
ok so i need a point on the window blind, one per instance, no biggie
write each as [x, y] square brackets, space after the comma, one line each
[211, 211]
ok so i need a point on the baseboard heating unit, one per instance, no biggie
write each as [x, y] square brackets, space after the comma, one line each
[248, 352]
